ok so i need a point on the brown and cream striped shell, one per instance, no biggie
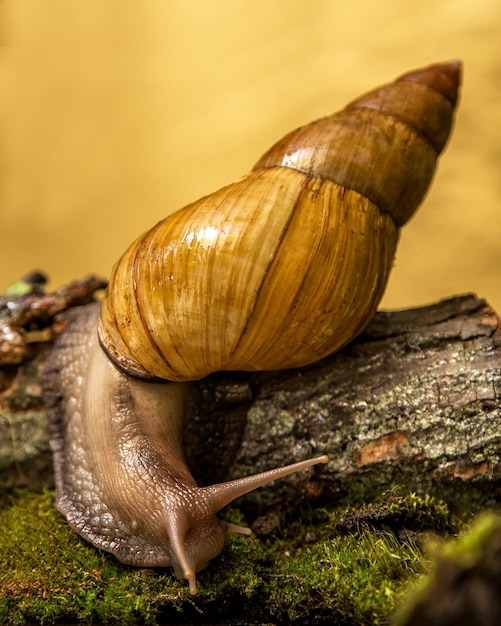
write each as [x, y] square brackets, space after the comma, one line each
[287, 264]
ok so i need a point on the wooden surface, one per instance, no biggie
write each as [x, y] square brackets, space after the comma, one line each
[414, 401]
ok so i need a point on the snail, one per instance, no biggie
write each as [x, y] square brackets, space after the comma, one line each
[276, 270]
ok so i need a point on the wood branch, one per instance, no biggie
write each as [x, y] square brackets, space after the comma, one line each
[415, 401]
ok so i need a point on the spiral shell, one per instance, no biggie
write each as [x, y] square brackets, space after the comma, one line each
[287, 264]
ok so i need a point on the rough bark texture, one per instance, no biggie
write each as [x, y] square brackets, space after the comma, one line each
[28, 323]
[413, 401]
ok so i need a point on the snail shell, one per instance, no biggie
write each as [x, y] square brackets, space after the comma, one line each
[313, 228]
[275, 270]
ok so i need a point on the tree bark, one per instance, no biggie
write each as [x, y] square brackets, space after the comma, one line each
[415, 400]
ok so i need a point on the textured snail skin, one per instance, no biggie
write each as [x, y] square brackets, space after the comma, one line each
[187, 299]
[121, 478]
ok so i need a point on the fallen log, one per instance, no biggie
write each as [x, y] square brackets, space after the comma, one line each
[415, 401]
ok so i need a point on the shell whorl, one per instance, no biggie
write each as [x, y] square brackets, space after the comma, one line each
[287, 264]
[384, 144]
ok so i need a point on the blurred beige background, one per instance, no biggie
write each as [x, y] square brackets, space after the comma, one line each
[113, 114]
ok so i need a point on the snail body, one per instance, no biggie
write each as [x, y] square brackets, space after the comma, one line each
[276, 270]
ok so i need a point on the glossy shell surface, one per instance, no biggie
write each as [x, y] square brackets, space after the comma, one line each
[287, 264]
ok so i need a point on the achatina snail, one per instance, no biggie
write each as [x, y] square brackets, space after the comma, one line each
[276, 270]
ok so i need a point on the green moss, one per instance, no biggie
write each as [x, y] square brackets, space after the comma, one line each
[471, 545]
[464, 583]
[358, 577]
[48, 573]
